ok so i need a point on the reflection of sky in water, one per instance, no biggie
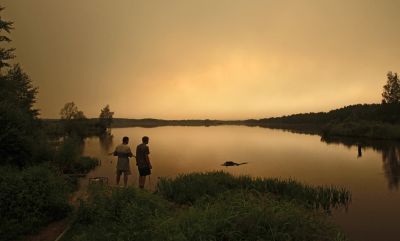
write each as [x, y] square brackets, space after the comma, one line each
[273, 153]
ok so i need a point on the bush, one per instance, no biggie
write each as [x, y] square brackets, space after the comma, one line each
[84, 164]
[68, 152]
[69, 159]
[30, 199]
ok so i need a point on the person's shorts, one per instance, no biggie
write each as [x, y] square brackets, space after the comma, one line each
[144, 171]
[126, 172]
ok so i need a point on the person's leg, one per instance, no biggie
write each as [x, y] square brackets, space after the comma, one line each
[125, 179]
[141, 181]
[144, 180]
[118, 177]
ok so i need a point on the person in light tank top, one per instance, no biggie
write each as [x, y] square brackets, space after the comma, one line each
[123, 152]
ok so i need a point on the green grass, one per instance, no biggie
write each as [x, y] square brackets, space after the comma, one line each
[187, 188]
[118, 214]
[210, 206]
[246, 215]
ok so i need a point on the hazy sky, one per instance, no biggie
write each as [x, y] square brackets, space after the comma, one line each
[205, 59]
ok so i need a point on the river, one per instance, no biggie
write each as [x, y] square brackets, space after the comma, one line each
[369, 169]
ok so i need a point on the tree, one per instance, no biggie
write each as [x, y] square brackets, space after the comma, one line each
[70, 112]
[19, 131]
[5, 53]
[106, 118]
[74, 121]
[391, 91]
[24, 94]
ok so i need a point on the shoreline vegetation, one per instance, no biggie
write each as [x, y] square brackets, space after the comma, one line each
[372, 121]
[210, 206]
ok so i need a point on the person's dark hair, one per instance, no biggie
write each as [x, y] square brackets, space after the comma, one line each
[125, 139]
[145, 139]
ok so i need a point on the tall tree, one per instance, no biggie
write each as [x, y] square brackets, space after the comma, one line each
[391, 90]
[24, 93]
[106, 118]
[74, 121]
[5, 53]
[70, 112]
[18, 118]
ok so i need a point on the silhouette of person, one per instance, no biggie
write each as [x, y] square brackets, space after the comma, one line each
[359, 151]
[123, 152]
[143, 161]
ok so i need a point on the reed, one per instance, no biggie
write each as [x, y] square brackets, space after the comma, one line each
[187, 188]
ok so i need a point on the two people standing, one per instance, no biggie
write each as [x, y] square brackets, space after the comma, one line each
[123, 152]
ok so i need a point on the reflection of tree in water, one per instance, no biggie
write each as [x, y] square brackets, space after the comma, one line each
[106, 142]
[391, 165]
[390, 154]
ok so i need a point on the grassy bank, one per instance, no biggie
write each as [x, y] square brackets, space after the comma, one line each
[210, 206]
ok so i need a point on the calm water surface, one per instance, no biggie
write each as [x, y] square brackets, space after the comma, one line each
[373, 177]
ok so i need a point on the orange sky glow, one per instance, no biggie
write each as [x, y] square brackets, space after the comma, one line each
[217, 59]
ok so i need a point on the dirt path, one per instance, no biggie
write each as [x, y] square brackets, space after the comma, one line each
[49, 233]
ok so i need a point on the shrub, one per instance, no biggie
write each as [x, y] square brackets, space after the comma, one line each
[30, 199]
[84, 164]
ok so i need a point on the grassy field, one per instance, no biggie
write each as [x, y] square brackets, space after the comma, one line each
[210, 206]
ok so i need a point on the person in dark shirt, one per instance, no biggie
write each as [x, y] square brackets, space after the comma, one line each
[143, 161]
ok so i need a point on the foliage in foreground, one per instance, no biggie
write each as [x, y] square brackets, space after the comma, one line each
[30, 199]
[222, 208]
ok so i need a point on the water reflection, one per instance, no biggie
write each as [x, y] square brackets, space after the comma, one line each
[390, 151]
[391, 165]
[106, 142]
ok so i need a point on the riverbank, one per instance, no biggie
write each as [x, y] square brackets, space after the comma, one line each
[210, 206]
[373, 121]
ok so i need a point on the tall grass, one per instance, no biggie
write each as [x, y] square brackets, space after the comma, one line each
[208, 206]
[246, 215]
[118, 214]
[188, 188]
